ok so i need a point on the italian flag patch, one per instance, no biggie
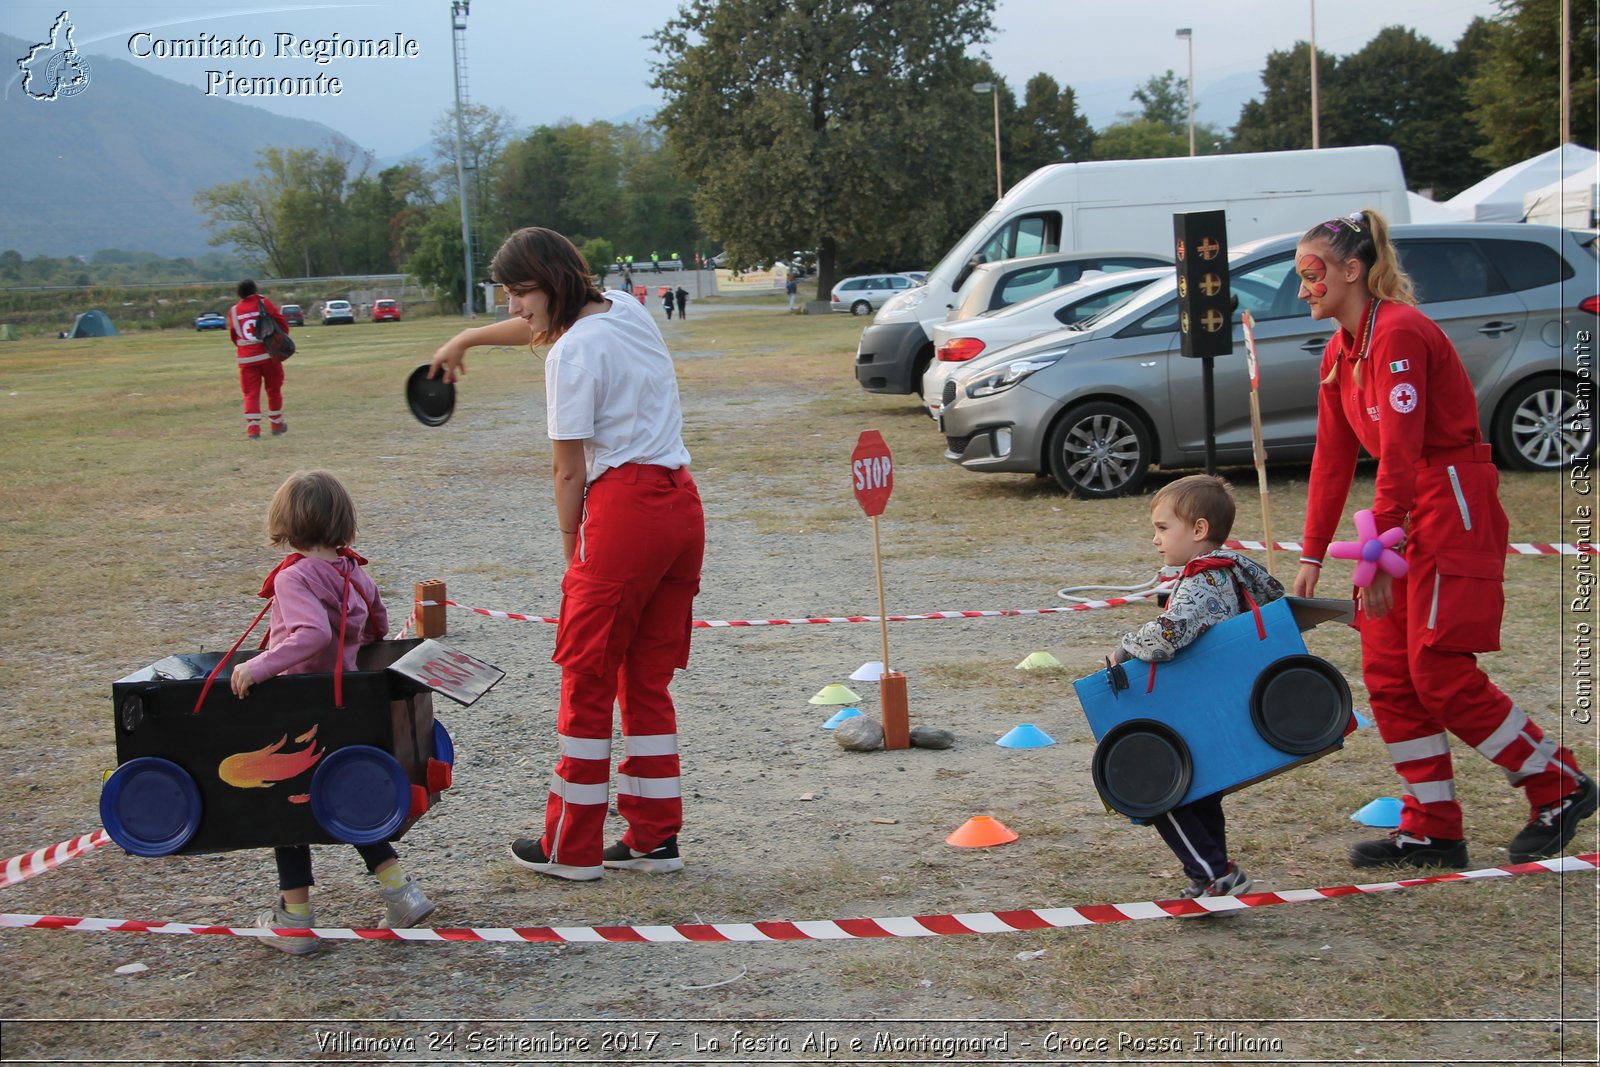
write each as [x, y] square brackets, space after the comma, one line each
[1399, 365]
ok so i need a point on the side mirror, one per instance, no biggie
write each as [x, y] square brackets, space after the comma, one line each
[966, 271]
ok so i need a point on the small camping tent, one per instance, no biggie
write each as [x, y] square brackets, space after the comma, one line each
[1570, 202]
[1498, 198]
[93, 324]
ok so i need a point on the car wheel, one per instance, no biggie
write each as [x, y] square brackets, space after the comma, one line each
[860, 307]
[1534, 429]
[1100, 450]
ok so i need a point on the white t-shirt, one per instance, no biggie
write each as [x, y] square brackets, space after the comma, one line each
[609, 382]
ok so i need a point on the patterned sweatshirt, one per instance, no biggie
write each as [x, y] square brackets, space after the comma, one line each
[1204, 596]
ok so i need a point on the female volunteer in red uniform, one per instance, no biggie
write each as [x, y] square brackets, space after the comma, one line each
[633, 535]
[1393, 384]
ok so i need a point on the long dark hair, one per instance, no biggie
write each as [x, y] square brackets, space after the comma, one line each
[537, 256]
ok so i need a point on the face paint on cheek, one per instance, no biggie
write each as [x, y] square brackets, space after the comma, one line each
[1312, 271]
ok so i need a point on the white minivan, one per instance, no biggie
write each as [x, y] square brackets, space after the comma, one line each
[1129, 203]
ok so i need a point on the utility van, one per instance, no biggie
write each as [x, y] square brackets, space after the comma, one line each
[1129, 204]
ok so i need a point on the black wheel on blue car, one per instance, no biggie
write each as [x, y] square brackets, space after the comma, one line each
[1142, 768]
[1100, 450]
[1301, 705]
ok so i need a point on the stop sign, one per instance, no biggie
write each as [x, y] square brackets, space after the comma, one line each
[872, 472]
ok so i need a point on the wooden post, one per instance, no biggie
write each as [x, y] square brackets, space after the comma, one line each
[892, 704]
[429, 609]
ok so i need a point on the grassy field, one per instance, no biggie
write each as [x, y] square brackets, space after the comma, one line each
[130, 505]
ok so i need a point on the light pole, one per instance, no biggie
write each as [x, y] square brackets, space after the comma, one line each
[1188, 35]
[991, 88]
[458, 30]
[1316, 132]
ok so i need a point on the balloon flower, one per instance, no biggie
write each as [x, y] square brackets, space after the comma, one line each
[1373, 551]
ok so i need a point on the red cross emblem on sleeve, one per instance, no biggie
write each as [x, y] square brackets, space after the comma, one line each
[1403, 398]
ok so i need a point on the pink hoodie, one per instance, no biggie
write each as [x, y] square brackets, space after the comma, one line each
[303, 637]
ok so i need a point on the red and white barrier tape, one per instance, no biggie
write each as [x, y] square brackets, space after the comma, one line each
[1516, 548]
[21, 868]
[712, 624]
[988, 922]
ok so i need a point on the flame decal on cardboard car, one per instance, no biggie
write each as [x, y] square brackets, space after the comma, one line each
[267, 766]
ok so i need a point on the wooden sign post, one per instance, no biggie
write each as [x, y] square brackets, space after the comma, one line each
[1258, 449]
[872, 477]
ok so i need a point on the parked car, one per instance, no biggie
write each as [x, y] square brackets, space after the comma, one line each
[337, 311]
[957, 341]
[386, 311]
[885, 365]
[293, 315]
[993, 286]
[210, 320]
[866, 293]
[1096, 407]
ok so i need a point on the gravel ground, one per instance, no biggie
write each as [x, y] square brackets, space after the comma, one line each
[780, 824]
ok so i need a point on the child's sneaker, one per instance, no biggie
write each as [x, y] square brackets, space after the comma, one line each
[529, 853]
[403, 908]
[1231, 883]
[1195, 888]
[1401, 849]
[662, 860]
[1552, 826]
[275, 918]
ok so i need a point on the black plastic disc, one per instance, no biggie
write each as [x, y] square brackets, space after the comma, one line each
[1142, 768]
[432, 400]
[1300, 705]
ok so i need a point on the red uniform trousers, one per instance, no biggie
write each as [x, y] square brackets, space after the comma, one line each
[626, 614]
[1418, 661]
[252, 376]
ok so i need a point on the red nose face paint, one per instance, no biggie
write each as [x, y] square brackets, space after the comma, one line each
[1313, 271]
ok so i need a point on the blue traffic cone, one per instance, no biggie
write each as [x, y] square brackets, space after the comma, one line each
[1025, 735]
[840, 716]
[1383, 812]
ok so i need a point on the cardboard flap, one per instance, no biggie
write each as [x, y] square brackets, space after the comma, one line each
[447, 672]
[1310, 611]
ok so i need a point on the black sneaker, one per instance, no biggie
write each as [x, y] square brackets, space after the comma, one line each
[529, 853]
[1401, 849]
[663, 860]
[1230, 883]
[1553, 825]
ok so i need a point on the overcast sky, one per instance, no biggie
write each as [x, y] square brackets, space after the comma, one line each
[547, 60]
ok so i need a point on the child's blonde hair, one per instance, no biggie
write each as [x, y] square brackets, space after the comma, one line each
[311, 509]
[1201, 496]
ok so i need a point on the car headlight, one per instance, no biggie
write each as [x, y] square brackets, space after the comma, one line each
[1003, 378]
[901, 307]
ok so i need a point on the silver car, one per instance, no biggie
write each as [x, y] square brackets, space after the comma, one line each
[864, 294]
[1096, 407]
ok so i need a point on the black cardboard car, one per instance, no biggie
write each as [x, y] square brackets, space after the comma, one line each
[200, 770]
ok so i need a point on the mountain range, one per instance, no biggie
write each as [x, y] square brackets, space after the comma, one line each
[117, 166]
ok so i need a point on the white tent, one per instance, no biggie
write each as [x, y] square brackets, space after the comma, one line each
[1498, 198]
[1569, 202]
[1425, 210]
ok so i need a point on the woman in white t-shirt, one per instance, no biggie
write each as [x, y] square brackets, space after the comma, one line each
[633, 535]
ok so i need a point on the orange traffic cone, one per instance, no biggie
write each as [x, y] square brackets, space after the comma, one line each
[981, 831]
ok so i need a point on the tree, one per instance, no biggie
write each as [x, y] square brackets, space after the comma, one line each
[1281, 120]
[1515, 91]
[1047, 129]
[822, 123]
[244, 211]
[1164, 100]
[439, 259]
[1404, 90]
[1141, 139]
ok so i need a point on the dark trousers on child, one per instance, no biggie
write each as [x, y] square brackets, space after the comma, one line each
[294, 862]
[1197, 833]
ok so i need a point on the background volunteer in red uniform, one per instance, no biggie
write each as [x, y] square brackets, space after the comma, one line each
[256, 368]
[1393, 384]
[633, 535]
